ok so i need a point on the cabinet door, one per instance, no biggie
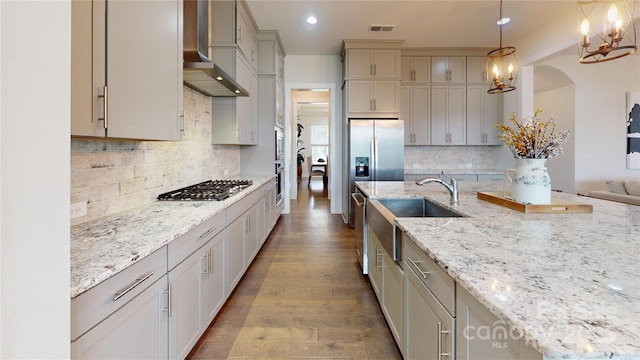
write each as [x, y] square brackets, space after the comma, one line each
[212, 283]
[386, 64]
[359, 64]
[144, 69]
[457, 69]
[406, 112]
[245, 37]
[422, 114]
[138, 330]
[439, 69]
[393, 298]
[360, 93]
[244, 108]
[439, 95]
[430, 330]
[406, 68]
[476, 69]
[482, 115]
[184, 323]
[457, 115]
[448, 115]
[251, 232]
[480, 335]
[235, 264]
[421, 69]
[386, 96]
[375, 257]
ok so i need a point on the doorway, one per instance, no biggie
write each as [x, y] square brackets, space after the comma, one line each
[311, 114]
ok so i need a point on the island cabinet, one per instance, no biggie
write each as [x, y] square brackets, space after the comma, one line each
[386, 278]
[481, 335]
[126, 73]
[195, 283]
[125, 316]
[482, 116]
[416, 69]
[429, 295]
[415, 110]
[448, 115]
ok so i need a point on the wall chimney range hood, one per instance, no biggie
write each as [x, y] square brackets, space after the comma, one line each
[199, 72]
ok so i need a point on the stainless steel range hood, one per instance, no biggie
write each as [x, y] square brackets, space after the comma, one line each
[200, 73]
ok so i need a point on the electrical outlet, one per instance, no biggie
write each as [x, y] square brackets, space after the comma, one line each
[78, 209]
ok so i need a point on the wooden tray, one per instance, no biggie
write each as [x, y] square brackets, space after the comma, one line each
[556, 206]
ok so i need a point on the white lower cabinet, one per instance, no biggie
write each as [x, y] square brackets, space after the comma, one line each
[480, 335]
[138, 330]
[387, 281]
[160, 306]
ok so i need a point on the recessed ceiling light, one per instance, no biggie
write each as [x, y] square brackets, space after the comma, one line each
[311, 20]
[503, 21]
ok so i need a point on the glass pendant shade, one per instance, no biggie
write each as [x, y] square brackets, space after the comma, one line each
[607, 30]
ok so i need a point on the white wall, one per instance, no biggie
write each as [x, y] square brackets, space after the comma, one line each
[315, 72]
[600, 119]
[562, 168]
[35, 102]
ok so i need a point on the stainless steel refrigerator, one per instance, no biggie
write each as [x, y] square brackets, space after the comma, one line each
[376, 153]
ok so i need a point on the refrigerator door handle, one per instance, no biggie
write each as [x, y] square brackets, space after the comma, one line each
[374, 152]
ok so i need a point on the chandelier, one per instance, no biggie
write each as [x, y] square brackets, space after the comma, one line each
[502, 66]
[609, 24]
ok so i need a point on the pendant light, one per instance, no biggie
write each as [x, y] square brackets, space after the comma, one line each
[502, 67]
[608, 25]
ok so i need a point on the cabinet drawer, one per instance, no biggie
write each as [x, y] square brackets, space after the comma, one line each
[245, 204]
[180, 248]
[91, 307]
[430, 274]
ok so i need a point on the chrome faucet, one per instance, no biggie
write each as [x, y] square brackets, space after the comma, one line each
[452, 186]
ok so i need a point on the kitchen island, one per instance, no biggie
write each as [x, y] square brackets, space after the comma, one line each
[568, 284]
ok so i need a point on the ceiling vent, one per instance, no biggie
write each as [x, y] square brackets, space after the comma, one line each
[381, 28]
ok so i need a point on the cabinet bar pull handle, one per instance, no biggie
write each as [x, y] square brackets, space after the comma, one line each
[209, 260]
[414, 263]
[139, 280]
[204, 269]
[105, 100]
[440, 333]
[206, 233]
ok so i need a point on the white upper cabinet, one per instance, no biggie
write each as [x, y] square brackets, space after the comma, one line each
[416, 69]
[231, 24]
[367, 96]
[448, 115]
[416, 112]
[368, 64]
[476, 69]
[448, 69]
[127, 69]
[482, 116]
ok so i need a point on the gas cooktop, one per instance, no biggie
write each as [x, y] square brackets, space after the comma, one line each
[211, 190]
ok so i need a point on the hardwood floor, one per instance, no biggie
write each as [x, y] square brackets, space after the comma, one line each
[303, 297]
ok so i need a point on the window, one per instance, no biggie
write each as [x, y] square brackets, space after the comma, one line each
[319, 142]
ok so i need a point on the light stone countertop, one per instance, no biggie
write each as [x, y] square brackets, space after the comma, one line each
[570, 283]
[103, 247]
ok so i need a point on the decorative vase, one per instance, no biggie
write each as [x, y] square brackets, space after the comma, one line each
[531, 182]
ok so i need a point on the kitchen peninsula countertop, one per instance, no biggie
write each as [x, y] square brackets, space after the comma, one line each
[569, 283]
[103, 247]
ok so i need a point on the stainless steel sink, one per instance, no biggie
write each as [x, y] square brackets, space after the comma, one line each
[417, 208]
[381, 214]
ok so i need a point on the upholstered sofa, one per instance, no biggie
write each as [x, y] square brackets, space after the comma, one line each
[626, 191]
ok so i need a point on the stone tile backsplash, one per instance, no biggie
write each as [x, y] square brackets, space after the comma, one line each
[462, 159]
[112, 176]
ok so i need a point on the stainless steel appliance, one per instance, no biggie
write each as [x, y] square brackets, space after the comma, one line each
[376, 153]
[210, 190]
